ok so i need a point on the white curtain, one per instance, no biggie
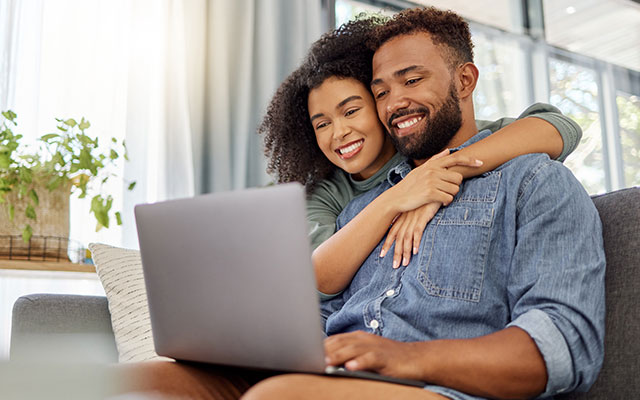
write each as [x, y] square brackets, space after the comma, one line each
[184, 82]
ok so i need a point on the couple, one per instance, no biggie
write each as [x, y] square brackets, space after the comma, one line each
[491, 287]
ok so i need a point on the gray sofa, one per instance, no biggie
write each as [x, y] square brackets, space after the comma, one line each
[39, 318]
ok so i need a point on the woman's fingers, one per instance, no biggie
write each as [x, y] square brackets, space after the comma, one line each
[391, 236]
[399, 247]
[457, 159]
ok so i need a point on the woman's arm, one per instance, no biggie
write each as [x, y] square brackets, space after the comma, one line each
[337, 260]
[523, 136]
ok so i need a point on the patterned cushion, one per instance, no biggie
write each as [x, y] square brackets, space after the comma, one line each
[120, 271]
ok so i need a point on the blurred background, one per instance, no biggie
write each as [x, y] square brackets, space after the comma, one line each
[186, 82]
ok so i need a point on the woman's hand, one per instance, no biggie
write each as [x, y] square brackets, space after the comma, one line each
[406, 231]
[425, 189]
[431, 182]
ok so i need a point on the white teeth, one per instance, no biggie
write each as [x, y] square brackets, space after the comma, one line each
[351, 148]
[408, 123]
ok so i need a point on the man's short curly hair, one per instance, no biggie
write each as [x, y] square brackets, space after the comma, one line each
[289, 139]
[446, 28]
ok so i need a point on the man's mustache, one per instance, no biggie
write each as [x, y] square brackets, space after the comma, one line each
[403, 113]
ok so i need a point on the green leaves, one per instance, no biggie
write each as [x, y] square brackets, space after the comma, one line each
[27, 232]
[10, 115]
[30, 212]
[34, 197]
[67, 156]
[100, 208]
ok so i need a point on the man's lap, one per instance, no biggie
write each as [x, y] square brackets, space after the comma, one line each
[209, 382]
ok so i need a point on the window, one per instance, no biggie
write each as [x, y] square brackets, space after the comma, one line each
[574, 91]
[501, 89]
[608, 30]
[583, 57]
[629, 117]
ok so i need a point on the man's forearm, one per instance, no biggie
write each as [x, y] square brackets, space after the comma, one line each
[505, 364]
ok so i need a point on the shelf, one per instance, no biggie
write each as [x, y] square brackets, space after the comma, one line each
[46, 266]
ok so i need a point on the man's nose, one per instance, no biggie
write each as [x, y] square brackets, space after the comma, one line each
[396, 102]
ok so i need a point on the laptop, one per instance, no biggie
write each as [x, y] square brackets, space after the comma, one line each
[229, 281]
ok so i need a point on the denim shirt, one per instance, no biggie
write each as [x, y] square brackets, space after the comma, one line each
[519, 246]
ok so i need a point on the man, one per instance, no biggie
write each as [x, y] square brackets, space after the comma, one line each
[506, 297]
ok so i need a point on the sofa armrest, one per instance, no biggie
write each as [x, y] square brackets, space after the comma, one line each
[69, 327]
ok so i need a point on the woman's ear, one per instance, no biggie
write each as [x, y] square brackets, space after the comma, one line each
[467, 76]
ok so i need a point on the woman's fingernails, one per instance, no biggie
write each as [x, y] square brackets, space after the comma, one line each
[479, 162]
[415, 251]
[405, 261]
[395, 264]
[382, 253]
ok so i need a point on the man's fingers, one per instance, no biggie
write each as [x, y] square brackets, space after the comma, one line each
[370, 361]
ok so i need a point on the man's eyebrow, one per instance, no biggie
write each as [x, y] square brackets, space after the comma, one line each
[399, 73]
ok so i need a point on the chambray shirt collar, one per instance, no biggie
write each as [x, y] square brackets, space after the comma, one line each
[400, 171]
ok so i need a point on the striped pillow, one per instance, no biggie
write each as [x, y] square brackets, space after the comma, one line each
[120, 271]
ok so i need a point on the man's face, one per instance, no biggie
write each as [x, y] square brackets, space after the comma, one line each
[416, 97]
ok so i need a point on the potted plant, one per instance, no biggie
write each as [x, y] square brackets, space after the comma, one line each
[36, 181]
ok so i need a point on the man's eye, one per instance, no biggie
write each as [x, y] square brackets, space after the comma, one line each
[381, 94]
[412, 81]
[351, 111]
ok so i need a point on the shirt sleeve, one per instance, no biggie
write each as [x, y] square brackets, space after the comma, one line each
[569, 130]
[322, 213]
[556, 281]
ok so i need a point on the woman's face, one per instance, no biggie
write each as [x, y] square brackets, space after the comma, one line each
[344, 119]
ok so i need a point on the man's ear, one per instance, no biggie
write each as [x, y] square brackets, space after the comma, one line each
[467, 76]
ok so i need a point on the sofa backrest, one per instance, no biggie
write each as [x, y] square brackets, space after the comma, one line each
[619, 378]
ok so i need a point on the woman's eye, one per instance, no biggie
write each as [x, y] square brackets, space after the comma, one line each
[322, 125]
[351, 111]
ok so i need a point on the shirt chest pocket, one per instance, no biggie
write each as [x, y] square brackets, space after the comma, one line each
[455, 244]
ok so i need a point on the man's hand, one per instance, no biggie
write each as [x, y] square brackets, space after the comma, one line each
[365, 351]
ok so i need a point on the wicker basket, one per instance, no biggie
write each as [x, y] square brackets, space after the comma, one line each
[52, 221]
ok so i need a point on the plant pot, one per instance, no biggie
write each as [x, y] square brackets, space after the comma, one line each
[50, 228]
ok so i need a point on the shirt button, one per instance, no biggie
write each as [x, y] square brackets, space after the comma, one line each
[374, 324]
[390, 292]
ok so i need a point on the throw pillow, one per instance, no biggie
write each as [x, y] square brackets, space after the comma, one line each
[120, 271]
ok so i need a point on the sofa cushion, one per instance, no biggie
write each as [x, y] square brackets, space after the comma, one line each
[120, 271]
[620, 215]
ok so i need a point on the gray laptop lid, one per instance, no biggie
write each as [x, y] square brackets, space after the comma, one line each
[229, 279]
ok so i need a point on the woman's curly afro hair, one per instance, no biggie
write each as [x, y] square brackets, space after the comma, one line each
[289, 139]
[446, 28]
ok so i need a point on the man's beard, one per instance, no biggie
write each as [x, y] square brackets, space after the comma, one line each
[437, 132]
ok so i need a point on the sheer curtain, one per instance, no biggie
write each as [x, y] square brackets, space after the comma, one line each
[183, 82]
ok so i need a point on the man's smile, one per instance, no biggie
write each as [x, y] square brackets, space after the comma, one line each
[403, 126]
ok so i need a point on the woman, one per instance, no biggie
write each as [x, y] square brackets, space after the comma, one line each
[321, 129]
